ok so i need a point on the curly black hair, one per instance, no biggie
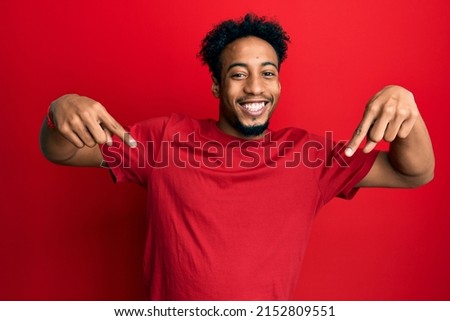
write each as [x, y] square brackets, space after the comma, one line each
[230, 30]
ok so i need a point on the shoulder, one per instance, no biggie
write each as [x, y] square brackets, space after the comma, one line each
[291, 133]
[302, 138]
[158, 125]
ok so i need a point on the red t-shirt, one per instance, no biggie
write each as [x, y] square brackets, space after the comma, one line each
[229, 218]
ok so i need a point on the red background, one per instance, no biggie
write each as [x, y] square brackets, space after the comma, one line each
[71, 234]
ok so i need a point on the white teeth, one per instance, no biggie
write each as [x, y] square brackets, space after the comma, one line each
[253, 107]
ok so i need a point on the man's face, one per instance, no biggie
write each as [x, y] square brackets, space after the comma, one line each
[249, 87]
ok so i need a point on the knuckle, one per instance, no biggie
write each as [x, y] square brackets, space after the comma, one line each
[85, 113]
[115, 125]
[372, 107]
[73, 122]
[88, 140]
[389, 138]
[64, 129]
[101, 140]
[96, 105]
[403, 133]
[409, 93]
[375, 137]
[403, 112]
[389, 109]
[91, 144]
[415, 113]
[357, 131]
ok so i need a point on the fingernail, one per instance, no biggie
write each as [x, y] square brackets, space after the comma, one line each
[109, 142]
[132, 143]
[348, 152]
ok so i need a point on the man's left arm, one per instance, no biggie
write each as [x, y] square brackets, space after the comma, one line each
[392, 115]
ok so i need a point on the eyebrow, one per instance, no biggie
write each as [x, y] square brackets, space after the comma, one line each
[241, 64]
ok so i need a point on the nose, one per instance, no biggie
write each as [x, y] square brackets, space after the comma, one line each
[254, 85]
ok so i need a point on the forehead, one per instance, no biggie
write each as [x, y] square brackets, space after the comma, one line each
[248, 50]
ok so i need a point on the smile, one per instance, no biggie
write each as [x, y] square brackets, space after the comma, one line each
[254, 108]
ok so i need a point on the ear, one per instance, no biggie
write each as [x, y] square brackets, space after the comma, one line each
[215, 88]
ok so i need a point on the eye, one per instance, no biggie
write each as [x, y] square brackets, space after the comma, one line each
[238, 75]
[269, 74]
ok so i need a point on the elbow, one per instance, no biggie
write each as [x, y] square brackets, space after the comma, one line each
[428, 176]
[421, 180]
[417, 174]
[48, 155]
[54, 157]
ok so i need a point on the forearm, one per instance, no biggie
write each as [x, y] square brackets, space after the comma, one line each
[55, 147]
[413, 156]
[59, 150]
[81, 124]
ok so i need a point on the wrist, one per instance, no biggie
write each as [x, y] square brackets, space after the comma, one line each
[50, 122]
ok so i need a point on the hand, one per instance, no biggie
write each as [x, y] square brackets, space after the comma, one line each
[85, 122]
[391, 113]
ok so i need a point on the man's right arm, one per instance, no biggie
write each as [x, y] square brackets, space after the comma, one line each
[80, 125]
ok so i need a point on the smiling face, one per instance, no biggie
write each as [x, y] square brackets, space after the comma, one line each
[249, 87]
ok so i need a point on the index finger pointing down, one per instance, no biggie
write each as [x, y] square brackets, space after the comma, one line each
[354, 142]
[116, 129]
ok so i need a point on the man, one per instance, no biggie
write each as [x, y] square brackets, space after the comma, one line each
[231, 203]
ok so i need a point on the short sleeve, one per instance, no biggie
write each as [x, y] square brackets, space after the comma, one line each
[338, 174]
[133, 165]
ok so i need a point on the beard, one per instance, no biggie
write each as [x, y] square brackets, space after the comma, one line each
[251, 131]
